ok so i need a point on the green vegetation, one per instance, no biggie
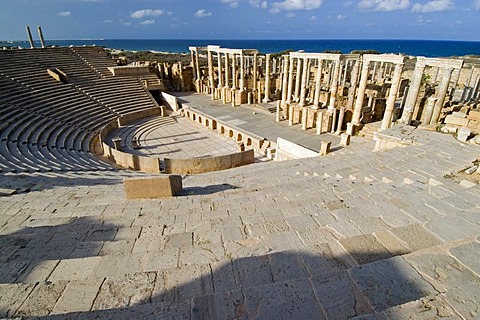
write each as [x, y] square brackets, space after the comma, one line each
[281, 53]
[365, 52]
[333, 51]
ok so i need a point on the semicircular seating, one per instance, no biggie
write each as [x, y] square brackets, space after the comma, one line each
[47, 125]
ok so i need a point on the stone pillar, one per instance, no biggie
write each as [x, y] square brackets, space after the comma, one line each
[340, 120]
[357, 112]
[254, 74]
[304, 82]
[392, 96]
[285, 79]
[277, 113]
[290, 81]
[267, 79]
[334, 86]
[319, 123]
[428, 112]
[304, 118]
[290, 115]
[220, 75]
[412, 94]
[442, 92]
[325, 148]
[30, 39]
[334, 119]
[210, 70]
[227, 70]
[234, 72]
[192, 64]
[197, 64]
[353, 85]
[345, 139]
[345, 70]
[242, 72]
[297, 80]
[318, 82]
[40, 35]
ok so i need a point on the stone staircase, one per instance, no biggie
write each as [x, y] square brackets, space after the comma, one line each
[369, 129]
[331, 237]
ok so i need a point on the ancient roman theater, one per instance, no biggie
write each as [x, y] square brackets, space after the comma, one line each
[296, 185]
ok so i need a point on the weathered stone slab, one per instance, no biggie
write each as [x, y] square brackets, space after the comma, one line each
[468, 254]
[152, 187]
[37, 271]
[78, 296]
[390, 282]
[42, 299]
[223, 276]
[338, 297]
[320, 259]
[286, 265]
[430, 307]
[12, 297]
[365, 248]
[252, 271]
[393, 245]
[452, 228]
[183, 284]
[125, 291]
[75, 269]
[225, 305]
[289, 299]
[465, 300]
[445, 271]
[416, 237]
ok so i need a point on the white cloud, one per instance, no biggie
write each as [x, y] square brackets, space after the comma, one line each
[421, 21]
[477, 4]
[259, 4]
[433, 6]
[201, 13]
[231, 3]
[147, 22]
[64, 13]
[107, 21]
[384, 5]
[290, 15]
[146, 13]
[296, 5]
[313, 18]
[341, 17]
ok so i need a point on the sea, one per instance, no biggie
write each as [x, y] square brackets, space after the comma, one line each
[427, 48]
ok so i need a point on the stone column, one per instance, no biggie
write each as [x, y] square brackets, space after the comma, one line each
[442, 92]
[297, 80]
[192, 63]
[304, 82]
[392, 96]
[334, 86]
[318, 83]
[254, 74]
[30, 39]
[220, 75]
[412, 94]
[285, 80]
[340, 120]
[227, 70]
[334, 119]
[345, 70]
[290, 81]
[40, 34]
[234, 72]
[428, 112]
[242, 72]
[353, 85]
[267, 79]
[357, 111]
[210, 70]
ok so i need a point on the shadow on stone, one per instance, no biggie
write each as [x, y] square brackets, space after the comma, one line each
[211, 189]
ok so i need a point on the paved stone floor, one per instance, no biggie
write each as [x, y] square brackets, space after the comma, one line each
[354, 234]
[256, 120]
[175, 137]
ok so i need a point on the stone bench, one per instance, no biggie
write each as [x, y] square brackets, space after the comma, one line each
[152, 187]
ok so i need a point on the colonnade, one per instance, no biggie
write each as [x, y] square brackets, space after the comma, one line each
[305, 83]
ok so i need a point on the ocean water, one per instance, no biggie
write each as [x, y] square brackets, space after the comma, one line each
[410, 47]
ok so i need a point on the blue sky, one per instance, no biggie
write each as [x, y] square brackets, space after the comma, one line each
[242, 19]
